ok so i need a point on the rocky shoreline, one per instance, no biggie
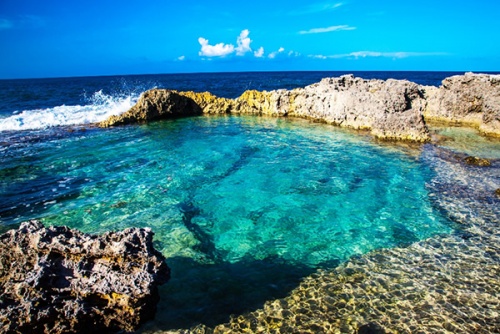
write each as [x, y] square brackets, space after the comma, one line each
[59, 280]
[390, 109]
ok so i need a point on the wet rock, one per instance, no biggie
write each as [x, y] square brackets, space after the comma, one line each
[156, 104]
[471, 99]
[371, 328]
[475, 161]
[58, 280]
[497, 192]
[390, 109]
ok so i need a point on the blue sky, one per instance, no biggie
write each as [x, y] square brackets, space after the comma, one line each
[79, 38]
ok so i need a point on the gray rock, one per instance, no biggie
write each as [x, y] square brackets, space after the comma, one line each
[390, 109]
[58, 280]
[470, 99]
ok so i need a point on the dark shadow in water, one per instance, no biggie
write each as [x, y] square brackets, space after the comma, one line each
[209, 293]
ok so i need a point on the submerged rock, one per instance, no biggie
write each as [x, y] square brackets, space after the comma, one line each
[475, 161]
[470, 99]
[390, 109]
[58, 280]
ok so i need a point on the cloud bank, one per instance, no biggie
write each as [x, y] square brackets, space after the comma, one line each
[365, 54]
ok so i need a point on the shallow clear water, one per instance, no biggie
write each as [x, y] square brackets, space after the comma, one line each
[227, 188]
[468, 141]
[256, 202]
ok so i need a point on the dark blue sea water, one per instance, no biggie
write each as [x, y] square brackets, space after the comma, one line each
[242, 207]
[34, 94]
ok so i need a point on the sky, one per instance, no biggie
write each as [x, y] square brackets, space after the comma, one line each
[85, 38]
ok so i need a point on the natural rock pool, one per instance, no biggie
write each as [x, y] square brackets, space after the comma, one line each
[244, 208]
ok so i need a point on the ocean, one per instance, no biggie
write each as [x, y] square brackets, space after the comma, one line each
[245, 209]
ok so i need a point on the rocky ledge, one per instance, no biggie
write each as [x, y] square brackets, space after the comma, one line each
[390, 109]
[59, 280]
[470, 99]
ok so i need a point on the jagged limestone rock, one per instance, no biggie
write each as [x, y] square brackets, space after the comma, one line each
[390, 109]
[156, 104]
[59, 280]
[470, 99]
[209, 103]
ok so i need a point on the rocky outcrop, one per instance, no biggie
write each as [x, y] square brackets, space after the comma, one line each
[156, 104]
[390, 109]
[470, 99]
[58, 280]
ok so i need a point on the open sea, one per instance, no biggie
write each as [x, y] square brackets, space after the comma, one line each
[246, 209]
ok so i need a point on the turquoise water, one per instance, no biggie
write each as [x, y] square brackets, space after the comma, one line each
[224, 189]
[242, 207]
[467, 141]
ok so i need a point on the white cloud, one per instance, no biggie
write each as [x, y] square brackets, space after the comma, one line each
[273, 55]
[6, 24]
[243, 43]
[221, 49]
[217, 50]
[327, 29]
[181, 58]
[259, 53]
[365, 54]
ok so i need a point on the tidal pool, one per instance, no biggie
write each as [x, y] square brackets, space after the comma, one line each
[242, 207]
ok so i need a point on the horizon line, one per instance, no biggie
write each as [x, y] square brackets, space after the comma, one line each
[236, 72]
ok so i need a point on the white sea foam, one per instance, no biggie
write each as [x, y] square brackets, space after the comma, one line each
[100, 107]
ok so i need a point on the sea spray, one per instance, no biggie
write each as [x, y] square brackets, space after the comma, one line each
[100, 106]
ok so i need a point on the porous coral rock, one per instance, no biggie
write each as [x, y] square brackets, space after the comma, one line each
[59, 280]
[389, 109]
[470, 99]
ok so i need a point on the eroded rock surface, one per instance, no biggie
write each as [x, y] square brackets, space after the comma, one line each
[156, 104]
[390, 109]
[58, 280]
[471, 99]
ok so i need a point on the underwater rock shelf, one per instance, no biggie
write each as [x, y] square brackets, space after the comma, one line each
[444, 284]
[390, 109]
[58, 280]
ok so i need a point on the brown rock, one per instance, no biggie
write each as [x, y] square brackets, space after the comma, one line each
[477, 161]
[58, 280]
[154, 105]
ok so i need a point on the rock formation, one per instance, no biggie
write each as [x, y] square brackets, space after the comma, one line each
[156, 104]
[390, 109]
[470, 99]
[58, 280]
